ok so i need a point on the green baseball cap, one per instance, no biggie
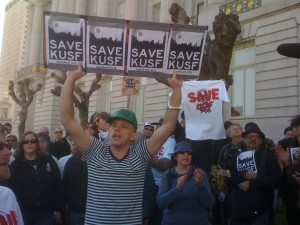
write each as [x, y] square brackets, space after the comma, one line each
[124, 114]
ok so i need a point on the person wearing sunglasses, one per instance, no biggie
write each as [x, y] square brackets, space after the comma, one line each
[9, 207]
[148, 129]
[35, 179]
[184, 191]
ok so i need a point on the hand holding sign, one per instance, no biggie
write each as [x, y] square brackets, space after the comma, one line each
[174, 82]
[76, 74]
[244, 186]
[250, 175]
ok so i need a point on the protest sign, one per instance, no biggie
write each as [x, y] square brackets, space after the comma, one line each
[146, 48]
[131, 85]
[185, 50]
[120, 47]
[246, 162]
[105, 45]
[64, 40]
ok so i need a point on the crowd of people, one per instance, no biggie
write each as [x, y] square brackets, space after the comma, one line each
[109, 172]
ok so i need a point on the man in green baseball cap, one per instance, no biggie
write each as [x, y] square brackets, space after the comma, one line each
[125, 115]
[116, 170]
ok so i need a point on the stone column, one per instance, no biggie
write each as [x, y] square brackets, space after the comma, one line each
[164, 11]
[80, 7]
[55, 5]
[102, 8]
[131, 9]
[36, 32]
[71, 6]
[63, 6]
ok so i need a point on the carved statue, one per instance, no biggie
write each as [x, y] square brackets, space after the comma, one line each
[80, 98]
[24, 100]
[178, 14]
[217, 53]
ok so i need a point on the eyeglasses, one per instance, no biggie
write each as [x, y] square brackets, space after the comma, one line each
[150, 129]
[256, 137]
[189, 153]
[33, 141]
[11, 140]
[3, 145]
[58, 132]
[235, 128]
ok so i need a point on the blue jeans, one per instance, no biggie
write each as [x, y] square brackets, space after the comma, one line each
[76, 218]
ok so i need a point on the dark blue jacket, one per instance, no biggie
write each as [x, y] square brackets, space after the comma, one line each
[37, 188]
[75, 184]
[187, 206]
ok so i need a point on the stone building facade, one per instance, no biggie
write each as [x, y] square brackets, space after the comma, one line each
[266, 84]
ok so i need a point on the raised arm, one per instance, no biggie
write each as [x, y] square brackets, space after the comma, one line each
[171, 116]
[75, 131]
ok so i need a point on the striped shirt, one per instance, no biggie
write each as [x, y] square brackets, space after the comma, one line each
[115, 187]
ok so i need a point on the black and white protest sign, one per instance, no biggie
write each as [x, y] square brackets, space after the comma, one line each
[115, 46]
[64, 40]
[294, 153]
[246, 162]
[146, 48]
[185, 50]
[105, 45]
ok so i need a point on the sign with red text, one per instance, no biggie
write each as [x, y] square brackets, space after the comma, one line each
[202, 102]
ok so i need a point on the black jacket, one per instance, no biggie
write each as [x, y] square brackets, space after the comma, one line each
[259, 197]
[75, 184]
[37, 188]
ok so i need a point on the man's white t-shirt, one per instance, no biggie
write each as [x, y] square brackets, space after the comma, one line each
[10, 212]
[202, 103]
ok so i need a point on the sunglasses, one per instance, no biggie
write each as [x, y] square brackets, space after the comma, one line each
[3, 145]
[33, 141]
[189, 153]
[147, 128]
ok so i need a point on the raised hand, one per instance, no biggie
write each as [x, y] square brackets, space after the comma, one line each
[174, 82]
[76, 74]
[283, 155]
